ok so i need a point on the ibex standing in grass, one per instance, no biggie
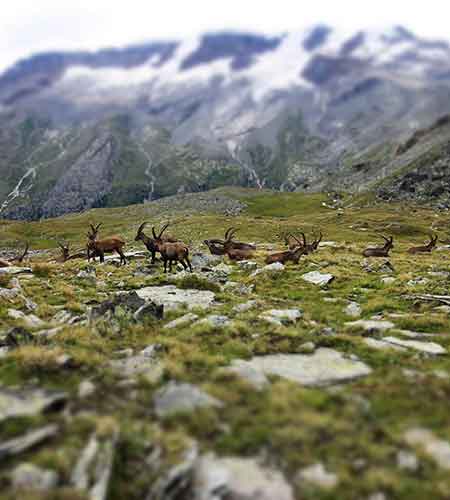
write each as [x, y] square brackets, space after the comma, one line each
[293, 254]
[171, 251]
[380, 251]
[150, 242]
[425, 248]
[99, 247]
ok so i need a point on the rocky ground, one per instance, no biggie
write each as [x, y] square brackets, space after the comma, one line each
[323, 380]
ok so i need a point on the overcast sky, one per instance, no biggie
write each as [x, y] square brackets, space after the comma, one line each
[28, 26]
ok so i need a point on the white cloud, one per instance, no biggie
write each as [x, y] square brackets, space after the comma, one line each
[27, 27]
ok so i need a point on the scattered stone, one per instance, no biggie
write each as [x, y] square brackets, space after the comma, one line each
[152, 350]
[388, 280]
[444, 309]
[203, 260]
[280, 317]
[386, 268]
[4, 352]
[13, 270]
[307, 348]
[439, 274]
[87, 274]
[276, 267]
[30, 320]
[172, 297]
[316, 475]
[15, 337]
[427, 347]
[27, 441]
[149, 310]
[14, 403]
[316, 278]
[247, 265]
[324, 244]
[177, 397]
[86, 389]
[224, 268]
[148, 367]
[418, 281]
[245, 306]
[182, 321]
[381, 345]
[353, 309]
[324, 367]
[124, 353]
[130, 302]
[215, 321]
[30, 477]
[371, 326]
[437, 449]
[407, 460]
[238, 288]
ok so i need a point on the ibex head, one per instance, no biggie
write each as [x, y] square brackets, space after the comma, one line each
[389, 242]
[140, 234]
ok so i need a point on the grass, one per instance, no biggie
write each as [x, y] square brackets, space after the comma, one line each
[292, 426]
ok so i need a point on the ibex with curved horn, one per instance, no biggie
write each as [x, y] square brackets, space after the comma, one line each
[171, 251]
[18, 259]
[293, 254]
[99, 247]
[65, 253]
[380, 251]
[425, 248]
[236, 250]
[150, 242]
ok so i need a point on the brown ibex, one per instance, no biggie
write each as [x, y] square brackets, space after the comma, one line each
[65, 253]
[150, 242]
[292, 242]
[171, 251]
[18, 259]
[99, 247]
[293, 254]
[236, 250]
[425, 248]
[380, 251]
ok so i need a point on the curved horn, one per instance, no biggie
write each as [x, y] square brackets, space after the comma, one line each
[153, 232]
[232, 233]
[98, 226]
[295, 238]
[227, 232]
[163, 229]
[141, 227]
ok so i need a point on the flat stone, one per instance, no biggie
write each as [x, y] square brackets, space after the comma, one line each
[247, 265]
[15, 403]
[418, 281]
[245, 306]
[254, 376]
[381, 345]
[177, 397]
[215, 320]
[172, 297]
[224, 268]
[236, 478]
[435, 448]
[316, 475]
[30, 320]
[443, 309]
[203, 260]
[371, 325]
[388, 280]
[324, 244]
[238, 288]
[86, 389]
[407, 460]
[30, 477]
[427, 347]
[182, 321]
[316, 278]
[323, 367]
[27, 441]
[281, 317]
[15, 270]
[416, 335]
[148, 367]
[353, 309]
[276, 267]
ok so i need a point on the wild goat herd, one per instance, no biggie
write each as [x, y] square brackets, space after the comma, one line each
[172, 250]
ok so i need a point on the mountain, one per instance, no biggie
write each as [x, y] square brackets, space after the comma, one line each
[314, 110]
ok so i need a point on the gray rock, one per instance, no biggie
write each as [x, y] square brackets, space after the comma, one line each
[353, 309]
[130, 302]
[407, 460]
[203, 260]
[30, 477]
[238, 288]
[245, 306]
[444, 309]
[172, 297]
[30, 320]
[23, 443]
[15, 337]
[388, 280]
[382, 345]
[435, 448]
[324, 367]
[316, 475]
[87, 275]
[177, 397]
[281, 317]
[427, 347]
[224, 268]
[418, 281]
[86, 389]
[254, 376]
[182, 321]
[215, 320]
[307, 348]
[276, 267]
[152, 350]
[371, 326]
[15, 403]
[247, 265]
[317, 278]
[13, 270]
[149, 367]
[149, 310]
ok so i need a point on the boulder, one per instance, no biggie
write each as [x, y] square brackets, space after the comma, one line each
[280, 317]
[16, 403]
[316, 278]
[30, 477]
[172, 297]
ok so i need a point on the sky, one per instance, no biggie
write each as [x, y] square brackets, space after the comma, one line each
[28, 26]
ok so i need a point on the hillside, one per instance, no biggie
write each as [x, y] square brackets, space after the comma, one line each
[308, 111]
[260, 386]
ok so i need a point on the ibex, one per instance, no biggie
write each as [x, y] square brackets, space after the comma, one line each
[312, 247]
[65, 253]
[236, 250]
[171, 251]
[15, 260]
[380, 251]
[425, 248]
[292, 242]
[292, 255]
[99, 247]
[150, 242]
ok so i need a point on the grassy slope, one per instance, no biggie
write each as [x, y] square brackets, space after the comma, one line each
[355, 431]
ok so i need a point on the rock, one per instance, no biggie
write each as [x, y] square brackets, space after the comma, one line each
[330, 299]
[92, 472]
[30, 477]
[15, 337]
[317, 278]
[142, 365]
[14, 403]
[324, 367]
[371, 326]
[130, 302]
[223, 268]
[177, 397]
[324, 244]
[254, 376]
[439, 274]
[276, 267]
[172, 297]
[281, 317]
[87, 274]
[182, 321]
[427, 347]
[23, 443]
[149, 310]
[407, 460]
[151, 351]
[235, 478]
[378, 495]
[388, 280]
[247, 265]
[244, 307]
[381, 345]
[86, 389]
[418, 281]
[30, 320]
[4, 352]
[386, 268]
[62, 316]
[238, 288]
[443, 309]
[307, 348]
[13, 270]
[215, 320]
[416, 335]
[435, 448]
[316, 475]
[203, 260]
[353, 309]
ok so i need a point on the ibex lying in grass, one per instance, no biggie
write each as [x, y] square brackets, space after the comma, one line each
[236, 250]
[293, 254]
[425, 248]
[171, 251]
[380, 251]
[99, 247]
[18, 259]
[65, 253]
[292, 242]
[150, 242]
